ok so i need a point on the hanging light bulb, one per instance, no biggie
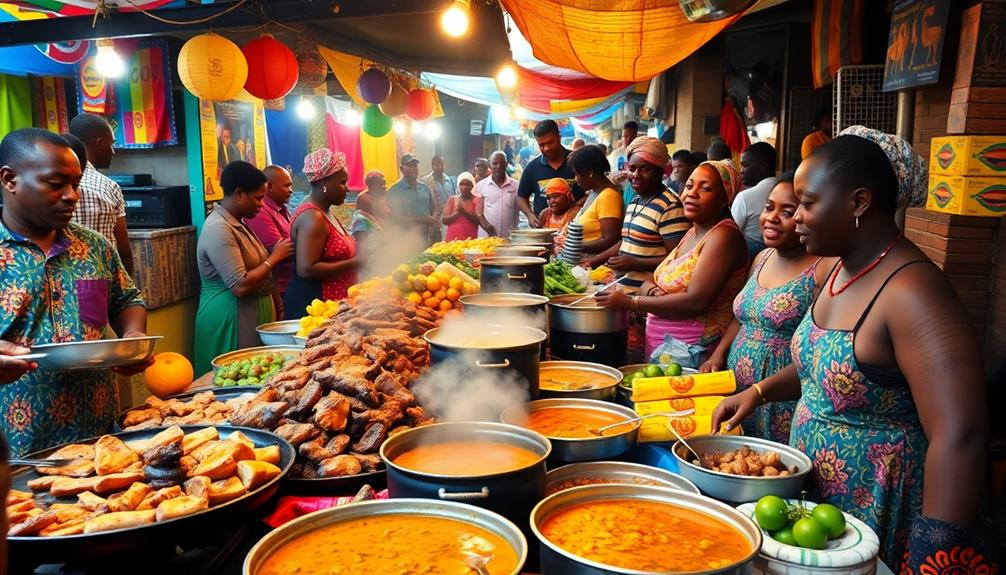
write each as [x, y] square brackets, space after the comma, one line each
[107, 61]
[520, 113]
[506, 78]
[352, 117]
[306, 109]
[417, 128]
[399, 127]
[454, 20]
[432, 131]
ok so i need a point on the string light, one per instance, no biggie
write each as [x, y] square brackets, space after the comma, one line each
[352, 117]
[107, 61]
[432, 131]
[454, 20]
[399, 127]
[506, 78]
[306, 109]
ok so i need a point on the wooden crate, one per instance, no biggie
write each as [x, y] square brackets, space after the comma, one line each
[164, 265]
[976, 104]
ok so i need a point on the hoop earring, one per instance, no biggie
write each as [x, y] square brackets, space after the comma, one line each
[324, 190]
[857, 222]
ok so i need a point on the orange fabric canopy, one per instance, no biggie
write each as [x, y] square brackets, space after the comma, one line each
[620, 40]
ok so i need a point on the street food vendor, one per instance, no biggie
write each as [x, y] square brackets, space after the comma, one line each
[892, 405]
[59, 282]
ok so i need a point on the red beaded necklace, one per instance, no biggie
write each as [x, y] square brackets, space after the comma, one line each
[873, 264]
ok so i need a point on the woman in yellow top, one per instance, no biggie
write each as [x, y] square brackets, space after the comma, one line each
[602, 212]
[819, 137]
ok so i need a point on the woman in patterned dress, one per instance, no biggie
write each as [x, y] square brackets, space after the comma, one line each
[325, 260]
[783, 283]
[885, 366]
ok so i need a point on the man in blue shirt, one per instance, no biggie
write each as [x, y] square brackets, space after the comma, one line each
[550, 164]
[411, 202]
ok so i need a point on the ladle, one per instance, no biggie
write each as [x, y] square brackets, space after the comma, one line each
[478, 562]
[600, 430]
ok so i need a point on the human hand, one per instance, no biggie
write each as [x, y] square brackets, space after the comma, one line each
[11, 368]
[735, 408]
[622, 263]
[614, 300]
[136, 367]
[491, 230]
[283, 249]
[533, 221]
[714, 363]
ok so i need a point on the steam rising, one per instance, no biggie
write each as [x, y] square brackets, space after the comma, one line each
[397, 245]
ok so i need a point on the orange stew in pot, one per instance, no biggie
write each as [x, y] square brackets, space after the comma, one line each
[574, 422]
[466, 458]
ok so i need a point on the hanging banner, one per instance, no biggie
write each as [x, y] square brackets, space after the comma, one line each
[50, 104]
[915, 44]
[92, 88]
[231, 130]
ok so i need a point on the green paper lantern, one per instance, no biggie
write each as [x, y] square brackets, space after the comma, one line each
[375, 123]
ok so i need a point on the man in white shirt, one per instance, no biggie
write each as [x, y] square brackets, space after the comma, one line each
[758, 175]
[499, 198]
[102, 207]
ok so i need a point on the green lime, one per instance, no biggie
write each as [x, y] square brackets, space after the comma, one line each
[785, 536]
[771, 513]
[831, 517]
[810, 533]
[653, 370]
[673, 370]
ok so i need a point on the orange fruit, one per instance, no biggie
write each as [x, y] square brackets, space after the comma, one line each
[427, 295]
[170, 374]
[415, 298]
[469, 289]
[432, 303]
[453, 294]
[433, 284]
[455, 283]
[440, 294]
[445, 305]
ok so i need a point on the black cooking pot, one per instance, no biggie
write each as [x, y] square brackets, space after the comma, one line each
[586, 331]
[512, 494]
[505, 350]
[512, 274]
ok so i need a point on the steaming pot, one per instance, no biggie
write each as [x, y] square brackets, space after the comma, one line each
[504, 350]
[512, 274]
[587, 331]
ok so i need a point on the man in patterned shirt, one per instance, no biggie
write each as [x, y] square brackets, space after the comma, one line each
[102, 207]
[59, 282]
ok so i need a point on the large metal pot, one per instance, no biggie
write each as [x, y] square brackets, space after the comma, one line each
[616, 472]
[612, 444]
[527, 304]
[557, 561]
[522, 250]
[512, 274]
[587, 331]
[511, 494]
[506, 350]
[301, 526]
[533, 235]
[604, 392]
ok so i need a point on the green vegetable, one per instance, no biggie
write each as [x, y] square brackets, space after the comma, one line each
[653, 370]
[562, 279]
[810, 534]
[771, 513]
[785, 535]
[255, 370]
[673, 370]
[831, 517]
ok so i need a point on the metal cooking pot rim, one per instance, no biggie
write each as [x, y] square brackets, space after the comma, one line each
[598, 368]
[577, 403]
[755, 442]
[528, 298]
[512, 261]
[539, 336]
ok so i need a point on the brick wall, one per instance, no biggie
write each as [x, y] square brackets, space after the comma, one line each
[700, 94]
[995, 332]
[932, 106]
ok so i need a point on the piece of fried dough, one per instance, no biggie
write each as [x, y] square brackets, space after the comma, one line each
[180, 507]
[225, 490]
[269, 453]
[120, 520]
[256, 473]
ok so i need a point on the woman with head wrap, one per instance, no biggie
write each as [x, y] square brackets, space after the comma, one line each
[463, 211]
[560, 210]
[892, 403]
[237, 290]
[693, 289]
[371, 211]
[325, 255]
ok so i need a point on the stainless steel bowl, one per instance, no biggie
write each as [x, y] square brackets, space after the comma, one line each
[290, 351]
[300, 341]
[279, 332]
[301, 526]
[618, 472]
[93, 354]
[604, 392]
[736, 488]
[581, 449]
[557, 561]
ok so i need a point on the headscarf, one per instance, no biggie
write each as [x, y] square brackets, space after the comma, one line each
[909, 167]
[729, 175]
[322, 163]
[466, 176]
[558, 186]
[650, 149]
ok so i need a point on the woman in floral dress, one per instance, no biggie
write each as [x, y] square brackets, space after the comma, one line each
[892, 403]
[783, 283]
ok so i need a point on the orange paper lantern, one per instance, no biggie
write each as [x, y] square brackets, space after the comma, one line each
[420, 104]
[212, 67]
[272, 68]
[397, 102]
[313, 69]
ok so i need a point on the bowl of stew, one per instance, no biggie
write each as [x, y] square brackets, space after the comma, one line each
[618, 529]
[604, 472]
[390, 536]
[567, 423]
[577, 379]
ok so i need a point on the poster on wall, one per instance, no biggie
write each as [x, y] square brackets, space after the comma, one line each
[231, 130]
[915, 43]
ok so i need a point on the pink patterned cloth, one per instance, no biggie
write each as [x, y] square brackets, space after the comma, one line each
[322, 163]
[290, 507]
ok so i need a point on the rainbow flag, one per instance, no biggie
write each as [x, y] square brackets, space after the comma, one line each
[50, 104]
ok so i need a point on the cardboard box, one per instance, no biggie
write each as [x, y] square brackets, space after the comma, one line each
[968, 196]
[968, 156]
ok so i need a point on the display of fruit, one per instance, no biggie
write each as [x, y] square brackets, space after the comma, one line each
[653, 370]
[170, 374]
[252, 371]
[317, 312]
[794, 524]
[458, 247]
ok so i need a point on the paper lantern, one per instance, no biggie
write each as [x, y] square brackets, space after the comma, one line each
[397, 102]
[313, 69]
[272, 68]
[374, 122]
[420, 104]
[373, 86]
[212, 67]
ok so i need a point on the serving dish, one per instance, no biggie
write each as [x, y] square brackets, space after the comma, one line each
[290, 351]
[606, 392]
[108, 543]
[93, 354]
[617, 472]
[613, 443]
[279, 332]
[737, 488]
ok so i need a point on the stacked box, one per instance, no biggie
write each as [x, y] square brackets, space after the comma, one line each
[164, 265]
[967, 175]
[968, 155]
[967, 196]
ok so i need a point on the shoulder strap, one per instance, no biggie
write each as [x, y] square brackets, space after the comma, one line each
[873, 300]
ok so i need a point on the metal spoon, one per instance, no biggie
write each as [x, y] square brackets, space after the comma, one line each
[600, 430]
[478, 562]
[590, 295]
[568, 384]
[43, 462]
[698, 460]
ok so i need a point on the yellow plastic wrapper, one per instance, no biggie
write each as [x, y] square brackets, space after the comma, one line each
[704, 405]
[655, 429]
[657, 388]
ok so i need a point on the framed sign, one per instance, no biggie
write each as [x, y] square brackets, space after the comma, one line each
[476, 128]
[915, 43]
[231, 130]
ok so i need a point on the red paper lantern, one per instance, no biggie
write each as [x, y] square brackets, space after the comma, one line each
[272, 68]
[373, 86]
[396, 103]
[420, 104]
[313, 69]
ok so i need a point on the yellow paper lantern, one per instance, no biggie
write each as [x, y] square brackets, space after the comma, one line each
[212, 67]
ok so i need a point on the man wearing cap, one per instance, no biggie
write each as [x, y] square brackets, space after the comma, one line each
[411, 202]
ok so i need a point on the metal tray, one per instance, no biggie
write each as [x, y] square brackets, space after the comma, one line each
[93, 354]
[221, 393]
[290, 351]
[108, 543]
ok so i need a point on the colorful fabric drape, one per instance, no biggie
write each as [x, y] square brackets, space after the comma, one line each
[347, 70]
[380, 154]
[15, 104]
[287, 135]
[69, 52]
[538, 91]
[346, 139]
[732, 128]
[50, 104]
[619, 40]
[143, 116]
[836, 38]
[87, 7]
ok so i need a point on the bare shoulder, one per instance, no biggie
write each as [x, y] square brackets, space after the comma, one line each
[920, 292]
